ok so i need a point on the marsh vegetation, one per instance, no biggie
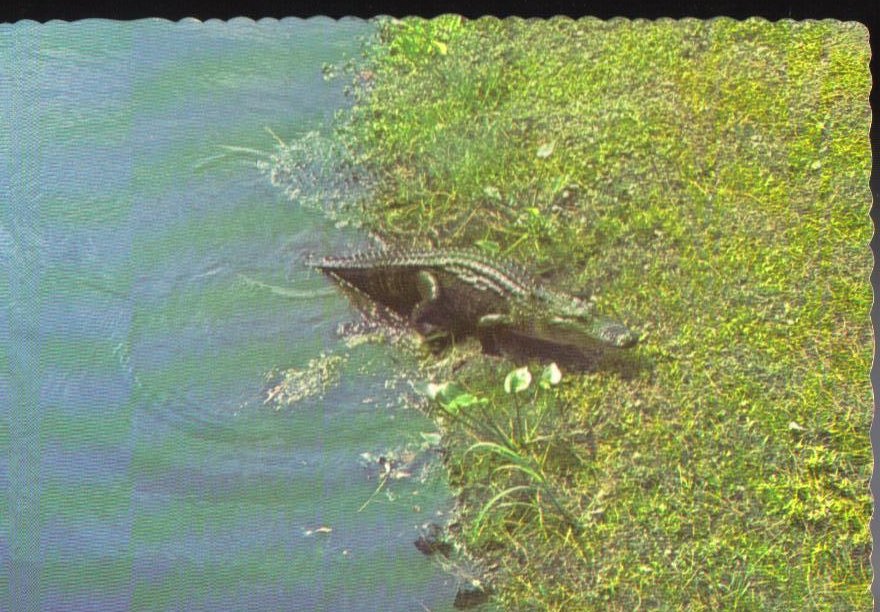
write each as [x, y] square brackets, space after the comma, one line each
[707, 183]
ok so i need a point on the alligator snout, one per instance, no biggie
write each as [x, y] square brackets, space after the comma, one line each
[623, 337]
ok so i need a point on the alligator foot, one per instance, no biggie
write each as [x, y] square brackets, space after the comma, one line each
[437, 340]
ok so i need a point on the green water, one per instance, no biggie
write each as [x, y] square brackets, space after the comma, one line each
[152, 277]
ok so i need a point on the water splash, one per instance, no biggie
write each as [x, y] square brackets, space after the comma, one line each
[317, 172]
[297, 384]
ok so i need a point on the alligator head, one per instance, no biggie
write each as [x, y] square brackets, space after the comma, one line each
[574, 322]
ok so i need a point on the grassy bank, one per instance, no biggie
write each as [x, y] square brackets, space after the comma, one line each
[707, 183]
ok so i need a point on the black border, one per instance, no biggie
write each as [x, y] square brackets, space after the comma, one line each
[864, 11]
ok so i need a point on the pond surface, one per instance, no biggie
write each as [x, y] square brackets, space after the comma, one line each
[140, 465]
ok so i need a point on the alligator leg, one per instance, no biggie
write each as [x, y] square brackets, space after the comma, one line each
[487, 330]
[426, 309]
[494, 320]
[429, 292]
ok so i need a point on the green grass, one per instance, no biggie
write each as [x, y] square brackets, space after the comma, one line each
[707, 182]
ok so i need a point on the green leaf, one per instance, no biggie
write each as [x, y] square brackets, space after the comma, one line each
[560, 183]
[518, 380]
[517, 461]
[795, 426]
[550, 376]
[490, 246]
[447, 392]
[488, 505]
[462, 400]
[545, 150]
[492, 192]
[432, 390]
[451, 396]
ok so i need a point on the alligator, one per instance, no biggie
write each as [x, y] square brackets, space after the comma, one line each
[462, 293]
